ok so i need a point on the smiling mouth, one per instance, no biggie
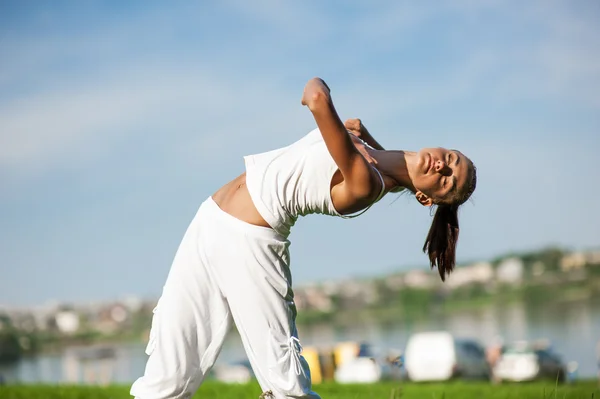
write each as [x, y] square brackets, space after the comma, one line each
[429, 163]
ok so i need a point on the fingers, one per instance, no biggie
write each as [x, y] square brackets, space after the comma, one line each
[354, 124]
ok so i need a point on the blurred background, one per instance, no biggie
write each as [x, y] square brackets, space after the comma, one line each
[117, 119]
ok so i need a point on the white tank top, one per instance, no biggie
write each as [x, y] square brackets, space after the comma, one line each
[294, 181]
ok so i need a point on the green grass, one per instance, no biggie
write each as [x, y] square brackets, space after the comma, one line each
[398, 390]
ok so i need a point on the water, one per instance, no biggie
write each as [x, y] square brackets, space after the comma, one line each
[573, 329]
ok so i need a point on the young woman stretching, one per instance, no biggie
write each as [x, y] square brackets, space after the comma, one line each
[233, 264]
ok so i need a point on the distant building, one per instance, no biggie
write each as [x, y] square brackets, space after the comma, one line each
[312, 298]
[369, 293]
[573, 261]
[579, 260]
[394, 282]
[478, 273]
[44, 317]
[593, 257]
[111, 318]
[67, 321]
[351, 295]
[419, 279]
[331, 287]
[510, 271]
[318, 300]
[133, 303]
[350, 288]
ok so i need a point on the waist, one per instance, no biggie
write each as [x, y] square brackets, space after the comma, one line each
[235, 200]
[226, 219]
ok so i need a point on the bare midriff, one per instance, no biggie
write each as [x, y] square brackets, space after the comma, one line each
[234, 199]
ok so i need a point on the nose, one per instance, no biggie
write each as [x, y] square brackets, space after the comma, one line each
[442, 168]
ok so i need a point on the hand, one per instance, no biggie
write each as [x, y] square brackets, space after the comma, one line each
[355, 126]
[315, 92]
[357, 129]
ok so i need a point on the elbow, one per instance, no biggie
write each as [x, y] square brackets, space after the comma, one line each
[319, 100]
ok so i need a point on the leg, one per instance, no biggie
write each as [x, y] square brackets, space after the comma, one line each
[261, 302]
[189, 324]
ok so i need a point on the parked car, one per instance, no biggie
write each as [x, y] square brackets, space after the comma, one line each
[526, 362]
[370, 365]
[359, 370]
[439, 356]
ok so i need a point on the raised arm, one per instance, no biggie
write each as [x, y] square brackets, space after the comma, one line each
[358, 178]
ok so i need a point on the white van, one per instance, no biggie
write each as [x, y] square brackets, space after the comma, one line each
[522, 361]
[439, 356]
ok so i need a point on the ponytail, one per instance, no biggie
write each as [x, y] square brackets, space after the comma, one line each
[442, 238]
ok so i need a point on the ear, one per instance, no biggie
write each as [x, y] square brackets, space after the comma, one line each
[423, 199]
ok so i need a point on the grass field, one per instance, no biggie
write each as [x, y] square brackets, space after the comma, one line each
[213, 390]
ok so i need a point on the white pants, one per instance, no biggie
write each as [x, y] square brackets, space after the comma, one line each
[225, 271]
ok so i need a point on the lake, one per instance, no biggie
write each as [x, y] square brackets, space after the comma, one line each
[573, 329]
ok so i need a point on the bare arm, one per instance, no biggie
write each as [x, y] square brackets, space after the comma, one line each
[356, 127]
[357, 173]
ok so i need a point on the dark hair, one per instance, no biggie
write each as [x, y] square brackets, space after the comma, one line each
[442, 238]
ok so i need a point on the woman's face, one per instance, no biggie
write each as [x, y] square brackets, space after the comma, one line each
[443, 175]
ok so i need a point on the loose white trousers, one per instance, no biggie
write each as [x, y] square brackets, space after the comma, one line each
[225, 271]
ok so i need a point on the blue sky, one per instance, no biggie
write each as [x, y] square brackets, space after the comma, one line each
[118, 119]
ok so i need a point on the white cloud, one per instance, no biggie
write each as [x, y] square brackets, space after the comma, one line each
[56, 124]
[230, 89]
[72, 119]
[196, 109]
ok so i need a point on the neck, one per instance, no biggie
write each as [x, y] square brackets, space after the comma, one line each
[394, 165]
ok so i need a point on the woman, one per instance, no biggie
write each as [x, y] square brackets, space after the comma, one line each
[232, 265]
